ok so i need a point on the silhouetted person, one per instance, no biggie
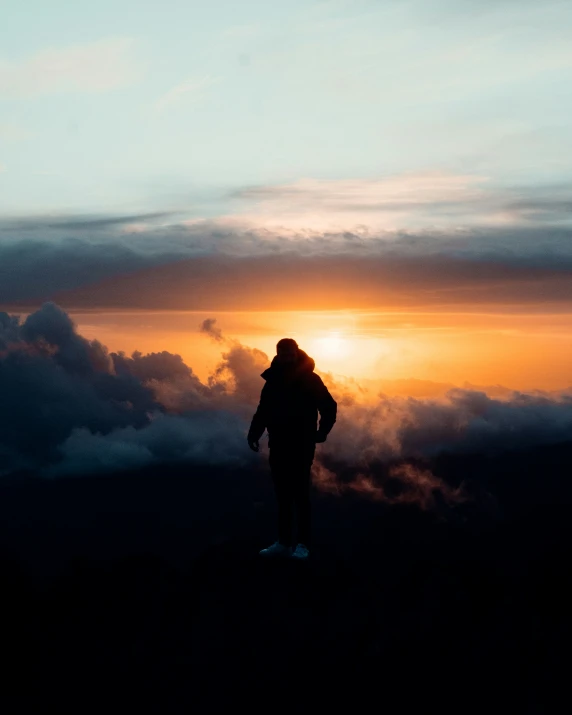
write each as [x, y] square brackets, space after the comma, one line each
[289, 405]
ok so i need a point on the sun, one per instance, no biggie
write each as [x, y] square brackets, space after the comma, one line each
[333, 345]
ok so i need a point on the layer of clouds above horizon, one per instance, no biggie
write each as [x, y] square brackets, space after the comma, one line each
[467, 246]
[70, 407]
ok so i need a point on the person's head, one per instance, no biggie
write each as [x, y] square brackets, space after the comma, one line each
[287, 351]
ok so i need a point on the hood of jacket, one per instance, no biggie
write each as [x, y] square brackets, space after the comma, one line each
[304, 365]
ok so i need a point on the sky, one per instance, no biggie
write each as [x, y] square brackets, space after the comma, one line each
[124, 106]
[185, 182]
[389, 182]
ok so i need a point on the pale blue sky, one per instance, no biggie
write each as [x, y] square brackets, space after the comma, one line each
[129, 105]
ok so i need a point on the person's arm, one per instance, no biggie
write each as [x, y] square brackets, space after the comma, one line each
[327, 407]
[258, 424]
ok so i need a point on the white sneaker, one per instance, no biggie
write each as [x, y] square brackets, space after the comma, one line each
[277, 549]
[301, 552]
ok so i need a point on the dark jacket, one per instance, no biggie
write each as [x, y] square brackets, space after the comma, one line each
[289, 404]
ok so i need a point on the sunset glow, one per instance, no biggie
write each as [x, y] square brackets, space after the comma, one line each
[333, 346]
[520, 351]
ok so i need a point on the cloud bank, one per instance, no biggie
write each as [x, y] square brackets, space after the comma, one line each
[425, 240]
[70, 407]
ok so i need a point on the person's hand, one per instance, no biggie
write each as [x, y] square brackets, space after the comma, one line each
[320, 436]
[253, 444]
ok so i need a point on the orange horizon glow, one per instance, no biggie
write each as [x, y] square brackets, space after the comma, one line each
[523, 352]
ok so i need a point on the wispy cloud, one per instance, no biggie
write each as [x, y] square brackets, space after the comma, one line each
[92, 67]
[393, 192]
[407, 201]
[184, 90]
[80, 221]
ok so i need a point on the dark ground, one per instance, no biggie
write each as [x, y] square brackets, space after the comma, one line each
[144, 593]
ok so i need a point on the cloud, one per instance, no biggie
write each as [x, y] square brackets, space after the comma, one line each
[208, 327]
[207, 438]
[73, 223]
[394, 191]
[330, 282]
[239, 372]
[463, 422]
[69, 407]
[414, 200]
[53, 380]
[215, 267]
[191, 87]
[388, 203]
[36, 269]
[403, 483]
[456, 256]
[92, 67]
[543, 208]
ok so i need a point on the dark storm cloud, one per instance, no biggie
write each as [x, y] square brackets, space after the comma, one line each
[69, 407]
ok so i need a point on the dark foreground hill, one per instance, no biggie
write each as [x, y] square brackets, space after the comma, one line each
[143, 592]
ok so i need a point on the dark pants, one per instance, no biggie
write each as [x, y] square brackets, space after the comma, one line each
[290, 467]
